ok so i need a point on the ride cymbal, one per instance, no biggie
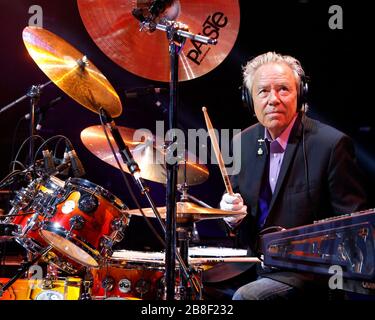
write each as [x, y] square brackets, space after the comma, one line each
[113, 28]
[71, 71]
[147, 153]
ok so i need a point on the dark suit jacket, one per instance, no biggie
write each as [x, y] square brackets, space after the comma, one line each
[335, 182]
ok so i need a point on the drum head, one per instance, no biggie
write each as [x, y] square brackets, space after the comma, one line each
[68, 248]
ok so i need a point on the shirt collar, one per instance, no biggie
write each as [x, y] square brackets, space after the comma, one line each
[284, 136]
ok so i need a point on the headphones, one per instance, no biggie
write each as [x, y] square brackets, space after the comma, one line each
[247, 99]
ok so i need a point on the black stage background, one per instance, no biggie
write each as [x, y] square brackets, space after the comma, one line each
[335, 60]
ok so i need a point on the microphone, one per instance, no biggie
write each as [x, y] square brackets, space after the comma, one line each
[144, 91]
[126, 155]
[158, 6]
[64, 166]
[77, 167]
[49, 164]
[45, 107]
[263, 147]
[138, 14]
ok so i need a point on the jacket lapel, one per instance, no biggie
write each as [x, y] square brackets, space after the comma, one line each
[256, 172]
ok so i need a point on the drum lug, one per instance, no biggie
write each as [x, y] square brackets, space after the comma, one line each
[108, 283]
[125, 285]
[47, 284]
[142, 287]
[77, 222]
[118, 224]
[88, 203]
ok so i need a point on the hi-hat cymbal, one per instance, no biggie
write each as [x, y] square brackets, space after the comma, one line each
[71, 71]
[147, 153]
[116, 32]
[187, 212]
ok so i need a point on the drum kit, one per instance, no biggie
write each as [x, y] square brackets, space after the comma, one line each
[72, 225]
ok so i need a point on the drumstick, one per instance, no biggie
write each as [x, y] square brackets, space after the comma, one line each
[218, 154]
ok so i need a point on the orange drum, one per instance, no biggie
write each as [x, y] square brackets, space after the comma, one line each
[31, 206]
[132, 274]
[86, 223]
[25, 289]
[116, 282]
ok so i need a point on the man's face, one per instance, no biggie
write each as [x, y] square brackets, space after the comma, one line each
[274, 95]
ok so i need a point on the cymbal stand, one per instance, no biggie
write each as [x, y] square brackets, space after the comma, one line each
[185, 196]
[34, 95]
[134, 170]
[177, 34]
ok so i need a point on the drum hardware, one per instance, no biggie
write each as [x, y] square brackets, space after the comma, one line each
[87, 285]
[23, 269]
[34, 95]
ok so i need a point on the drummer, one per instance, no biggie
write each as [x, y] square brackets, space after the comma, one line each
[297, 170]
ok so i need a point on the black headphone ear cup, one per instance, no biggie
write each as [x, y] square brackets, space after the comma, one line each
[303, 92]
[247, 99]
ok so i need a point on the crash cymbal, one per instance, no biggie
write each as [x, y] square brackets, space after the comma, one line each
[187, 212]
[71, 71]
[113, 28]
[147, 151]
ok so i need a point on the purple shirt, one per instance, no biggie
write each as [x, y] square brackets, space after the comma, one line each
[277, 150]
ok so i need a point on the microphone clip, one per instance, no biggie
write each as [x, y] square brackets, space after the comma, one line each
[260, 151]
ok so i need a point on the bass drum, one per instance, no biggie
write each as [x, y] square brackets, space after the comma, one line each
[86, 223]
[45, 289]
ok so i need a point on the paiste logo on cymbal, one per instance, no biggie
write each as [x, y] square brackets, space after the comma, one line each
[211, 28]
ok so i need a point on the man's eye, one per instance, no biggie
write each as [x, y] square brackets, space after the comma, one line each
[262, 91]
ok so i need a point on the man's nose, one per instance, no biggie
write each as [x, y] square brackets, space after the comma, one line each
[273, 97]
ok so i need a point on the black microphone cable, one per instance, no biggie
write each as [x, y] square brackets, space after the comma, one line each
[134, 198]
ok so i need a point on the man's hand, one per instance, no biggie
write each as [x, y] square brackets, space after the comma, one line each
[233, 203]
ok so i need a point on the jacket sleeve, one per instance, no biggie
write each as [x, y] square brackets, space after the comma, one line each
[345, 180]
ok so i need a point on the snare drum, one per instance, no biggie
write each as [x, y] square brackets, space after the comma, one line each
[145, 283]
[86, 223]
[131, 274]
[134, 274]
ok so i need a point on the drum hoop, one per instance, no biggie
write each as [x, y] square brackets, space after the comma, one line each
[95, 189]
[136, 265]
[76, 240]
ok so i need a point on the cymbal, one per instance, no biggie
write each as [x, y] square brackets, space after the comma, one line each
[187, 212]
[147, 151]
[71, 71]
[115, 31]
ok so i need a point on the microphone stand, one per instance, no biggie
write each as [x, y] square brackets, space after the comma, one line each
[176, 38]
[34, 95]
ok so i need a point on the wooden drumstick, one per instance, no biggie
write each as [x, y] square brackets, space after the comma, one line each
[218, 154]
